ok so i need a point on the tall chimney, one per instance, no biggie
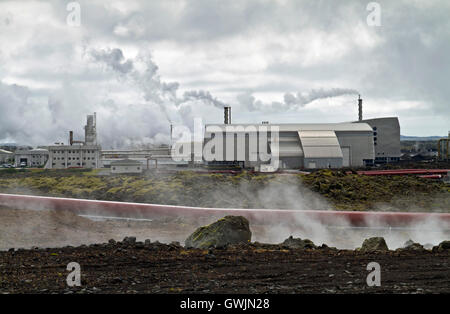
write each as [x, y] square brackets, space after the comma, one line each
[359, 108]
[227, 114]
[70, 138]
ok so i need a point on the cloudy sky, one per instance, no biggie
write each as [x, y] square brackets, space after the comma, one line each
[142, 65]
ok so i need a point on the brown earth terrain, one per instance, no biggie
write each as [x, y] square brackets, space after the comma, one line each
[45, 241]
[252, 268]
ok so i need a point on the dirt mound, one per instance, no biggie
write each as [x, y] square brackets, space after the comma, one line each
[228, 230]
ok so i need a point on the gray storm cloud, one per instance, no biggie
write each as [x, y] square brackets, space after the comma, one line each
[223, 47]
[146, 120]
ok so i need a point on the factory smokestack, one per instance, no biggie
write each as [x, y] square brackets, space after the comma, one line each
[227, 114]
[70, 138]
[360, 117]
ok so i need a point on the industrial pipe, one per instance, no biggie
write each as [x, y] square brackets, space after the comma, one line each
[403, 172]
[265, 216]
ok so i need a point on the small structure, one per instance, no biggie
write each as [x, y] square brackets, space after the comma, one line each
[126, 166]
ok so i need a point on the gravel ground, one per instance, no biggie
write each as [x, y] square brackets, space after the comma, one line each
[253, 268]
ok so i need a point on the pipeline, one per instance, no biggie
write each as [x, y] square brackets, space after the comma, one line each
[263, 216]
[403, 172]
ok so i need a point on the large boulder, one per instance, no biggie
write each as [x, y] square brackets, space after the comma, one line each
[410, 245]
[227, 230]
[443, 246]
[374, 244]
[297, 243]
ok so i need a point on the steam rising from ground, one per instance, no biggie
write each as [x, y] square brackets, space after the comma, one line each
[75, 230]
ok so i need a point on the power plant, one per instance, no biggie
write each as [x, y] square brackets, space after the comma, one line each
[360, 143]
[307, 146]
[77, 154]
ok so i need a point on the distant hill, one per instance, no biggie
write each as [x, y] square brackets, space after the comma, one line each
[420, 138]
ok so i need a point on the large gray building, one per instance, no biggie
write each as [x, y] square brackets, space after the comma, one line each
[298, 146]
[303, 146]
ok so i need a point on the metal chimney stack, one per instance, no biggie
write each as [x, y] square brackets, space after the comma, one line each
[359, 108]
[227, 114]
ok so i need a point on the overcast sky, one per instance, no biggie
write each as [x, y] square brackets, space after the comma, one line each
[144, 64]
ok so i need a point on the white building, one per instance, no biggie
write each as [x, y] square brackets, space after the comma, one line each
[36, 157]
[78, 154]
[126, 166]
[75, 156]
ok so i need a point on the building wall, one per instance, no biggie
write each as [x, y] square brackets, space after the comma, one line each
[320, 163]
[360, 145]
[386, 135]
[33, 158]
[67, 156]
[5, 157]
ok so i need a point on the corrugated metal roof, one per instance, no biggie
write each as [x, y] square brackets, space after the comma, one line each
[320, 144]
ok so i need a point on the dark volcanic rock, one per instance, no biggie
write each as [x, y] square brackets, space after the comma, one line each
[297, 243]
[408, 243]
[374, 244]
[227, 230]
[412, 246]
[129, 240]
[443, 246]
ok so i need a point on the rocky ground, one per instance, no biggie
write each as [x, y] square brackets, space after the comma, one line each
[144, 267]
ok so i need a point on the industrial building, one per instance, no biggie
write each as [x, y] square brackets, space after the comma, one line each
[36, 157]
[302, 146]
[305, 146]
[77, 154]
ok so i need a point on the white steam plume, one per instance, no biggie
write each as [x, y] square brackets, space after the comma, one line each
[292, 101]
